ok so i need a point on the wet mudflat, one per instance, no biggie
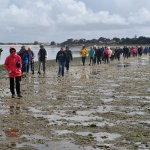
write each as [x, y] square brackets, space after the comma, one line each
[90, 108]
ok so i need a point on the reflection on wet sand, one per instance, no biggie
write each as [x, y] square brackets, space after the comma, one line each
[15, 108]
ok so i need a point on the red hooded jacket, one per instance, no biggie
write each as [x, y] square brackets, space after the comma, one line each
[133, 50]
[11, 67]
[106, 51]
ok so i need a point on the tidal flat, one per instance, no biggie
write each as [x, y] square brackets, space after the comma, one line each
[96, 107]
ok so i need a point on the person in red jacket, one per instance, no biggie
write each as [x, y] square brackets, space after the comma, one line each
[106, 55]
[13, 65]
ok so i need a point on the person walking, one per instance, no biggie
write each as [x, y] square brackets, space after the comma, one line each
[91, 55]
[42, 56]
[61, 59]
[25, 60]
[106, 55]
[125, 52]
[68, 57]
[31, 60]
[13, 65]
[83, 53]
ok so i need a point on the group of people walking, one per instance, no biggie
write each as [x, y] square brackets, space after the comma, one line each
[98, 55]
[19, 64]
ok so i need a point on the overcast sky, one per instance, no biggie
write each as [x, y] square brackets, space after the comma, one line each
[59, 20]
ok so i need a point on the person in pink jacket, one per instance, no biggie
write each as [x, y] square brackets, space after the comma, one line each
[13, 65]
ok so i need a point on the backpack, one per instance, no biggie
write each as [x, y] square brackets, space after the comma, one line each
[42, 54]
[18, 64]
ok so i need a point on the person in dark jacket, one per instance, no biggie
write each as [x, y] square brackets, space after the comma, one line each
[68, 57]
[125, 52]
[61, 59]
[118, 52]
[13, 65]
[42, 56]
[31, 60]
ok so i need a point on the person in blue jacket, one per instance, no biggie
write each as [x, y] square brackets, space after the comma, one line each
[25, 60]
[61, 59]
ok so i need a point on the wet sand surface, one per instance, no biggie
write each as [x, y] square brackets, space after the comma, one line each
[91, 108]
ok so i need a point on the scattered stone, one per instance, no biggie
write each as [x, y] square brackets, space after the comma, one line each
[93, 125]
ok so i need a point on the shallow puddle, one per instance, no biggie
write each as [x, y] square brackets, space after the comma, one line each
[40, 142]
[102, 136]
[4, 109]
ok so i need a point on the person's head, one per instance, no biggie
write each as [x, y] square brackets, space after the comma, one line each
[23, 47]
[67, 48]
[41, 46]
[61, 49]
[12, 50]
[95, 46]
[29, 48]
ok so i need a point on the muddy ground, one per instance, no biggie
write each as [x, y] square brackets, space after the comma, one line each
[91, 108]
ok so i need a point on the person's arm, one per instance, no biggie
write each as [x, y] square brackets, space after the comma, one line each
[57, 57]
[6, 65]
[1, 50]
[46, 54]
[32, 53]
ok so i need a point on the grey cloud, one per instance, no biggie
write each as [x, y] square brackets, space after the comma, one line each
[46, 19]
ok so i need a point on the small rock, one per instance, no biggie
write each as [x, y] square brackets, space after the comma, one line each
[93, 125]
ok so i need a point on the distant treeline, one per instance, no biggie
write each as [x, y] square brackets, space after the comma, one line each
[101, 41]
[106, 41]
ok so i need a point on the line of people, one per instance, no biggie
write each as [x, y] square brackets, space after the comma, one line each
[97, 55]
[18, 64]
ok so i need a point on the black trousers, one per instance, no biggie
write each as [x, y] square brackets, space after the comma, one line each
[67, 64]
[15, 83]
[31, 66]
